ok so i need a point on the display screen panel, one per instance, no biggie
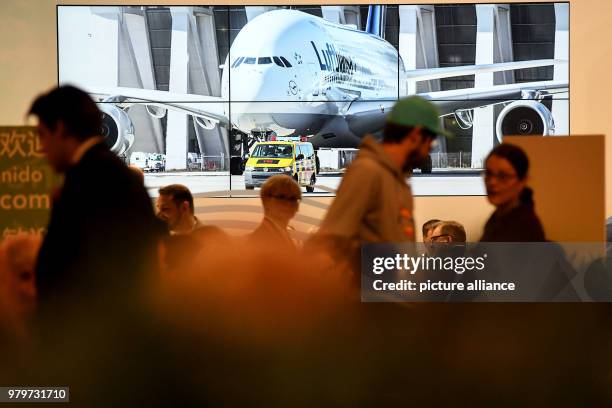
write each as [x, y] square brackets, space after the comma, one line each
[198, 88]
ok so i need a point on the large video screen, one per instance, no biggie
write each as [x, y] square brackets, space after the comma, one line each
[221, 97]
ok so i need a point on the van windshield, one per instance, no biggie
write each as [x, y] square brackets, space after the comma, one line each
[273, 150]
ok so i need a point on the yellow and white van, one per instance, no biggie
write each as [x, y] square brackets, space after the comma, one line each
[294, 158]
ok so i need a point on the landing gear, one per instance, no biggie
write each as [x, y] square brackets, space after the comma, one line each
[239, 148]
[313, 181]
[236, 166]
[240, 145]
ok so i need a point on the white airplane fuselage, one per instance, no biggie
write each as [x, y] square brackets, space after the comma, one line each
[292, 72]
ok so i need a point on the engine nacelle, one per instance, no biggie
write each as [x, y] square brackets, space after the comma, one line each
[525, 117]
[117, 128]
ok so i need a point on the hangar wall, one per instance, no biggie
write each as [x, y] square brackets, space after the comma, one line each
[28, 61]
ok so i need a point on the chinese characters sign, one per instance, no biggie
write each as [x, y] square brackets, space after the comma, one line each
[26, 182]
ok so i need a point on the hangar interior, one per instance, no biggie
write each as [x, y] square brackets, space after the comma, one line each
[152, 43]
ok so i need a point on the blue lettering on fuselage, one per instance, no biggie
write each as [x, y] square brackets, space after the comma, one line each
[345, 69]
[331, 52]
[329, 60]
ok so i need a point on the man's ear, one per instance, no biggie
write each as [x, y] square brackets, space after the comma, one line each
[185, 206]
[414, 137]
[59, 128]
[417, 133]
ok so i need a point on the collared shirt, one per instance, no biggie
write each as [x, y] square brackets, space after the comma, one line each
[281, 232]
[84, 148]
[196, 224]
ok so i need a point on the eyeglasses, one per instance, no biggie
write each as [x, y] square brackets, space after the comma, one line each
[501, 177]
[441, 238]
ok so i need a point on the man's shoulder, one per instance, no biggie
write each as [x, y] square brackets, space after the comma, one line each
[102, 176]
[100, 156]
[364, 165]
[102, 166]
[262, 232]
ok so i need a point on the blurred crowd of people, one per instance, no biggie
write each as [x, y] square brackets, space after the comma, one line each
[122, 290]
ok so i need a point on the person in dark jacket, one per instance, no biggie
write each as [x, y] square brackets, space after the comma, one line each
[514, 219]
[102, 234]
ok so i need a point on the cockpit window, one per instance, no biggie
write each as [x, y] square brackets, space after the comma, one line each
[287, 64]
[264, 60]
[278, 62]
[237, 62]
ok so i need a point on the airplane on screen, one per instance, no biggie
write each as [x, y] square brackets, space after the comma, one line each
[291, 73]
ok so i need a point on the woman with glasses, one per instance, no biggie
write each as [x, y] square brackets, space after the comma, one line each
[514, 219]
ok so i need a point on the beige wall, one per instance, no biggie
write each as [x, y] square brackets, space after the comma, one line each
[28, 66]
[239, 216]
[573, 208]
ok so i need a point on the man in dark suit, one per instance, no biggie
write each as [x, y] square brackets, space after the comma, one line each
[102, 236]
[280, 197]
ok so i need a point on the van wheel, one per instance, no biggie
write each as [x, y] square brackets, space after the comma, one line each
[313, 181]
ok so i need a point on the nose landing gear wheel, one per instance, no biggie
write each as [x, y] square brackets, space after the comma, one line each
[313, 181]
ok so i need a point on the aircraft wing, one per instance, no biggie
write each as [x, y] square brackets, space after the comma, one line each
[448, 72]
[369, 116]
[450, 101]
[209, 108]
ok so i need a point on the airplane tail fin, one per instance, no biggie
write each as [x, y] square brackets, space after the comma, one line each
[376, 20]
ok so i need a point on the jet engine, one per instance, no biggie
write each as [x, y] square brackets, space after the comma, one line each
[525, 118]
[117, 128]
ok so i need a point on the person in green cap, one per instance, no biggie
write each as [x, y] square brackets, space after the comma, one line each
[374, 200]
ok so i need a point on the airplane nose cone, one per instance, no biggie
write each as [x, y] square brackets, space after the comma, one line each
[261, 84]
[245, 86]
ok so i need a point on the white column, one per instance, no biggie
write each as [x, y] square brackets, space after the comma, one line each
[136, 42]
[493, 45]
[352, 16]
[95, 36]
[205, 77]
[136, 70]
[560, 105]
[176, 132]
[334, 14]
[105, 44]
[418, 44]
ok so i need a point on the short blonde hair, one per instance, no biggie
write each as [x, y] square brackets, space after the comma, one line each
[281, 186]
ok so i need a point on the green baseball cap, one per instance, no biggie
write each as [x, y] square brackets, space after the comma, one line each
[416, 111]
